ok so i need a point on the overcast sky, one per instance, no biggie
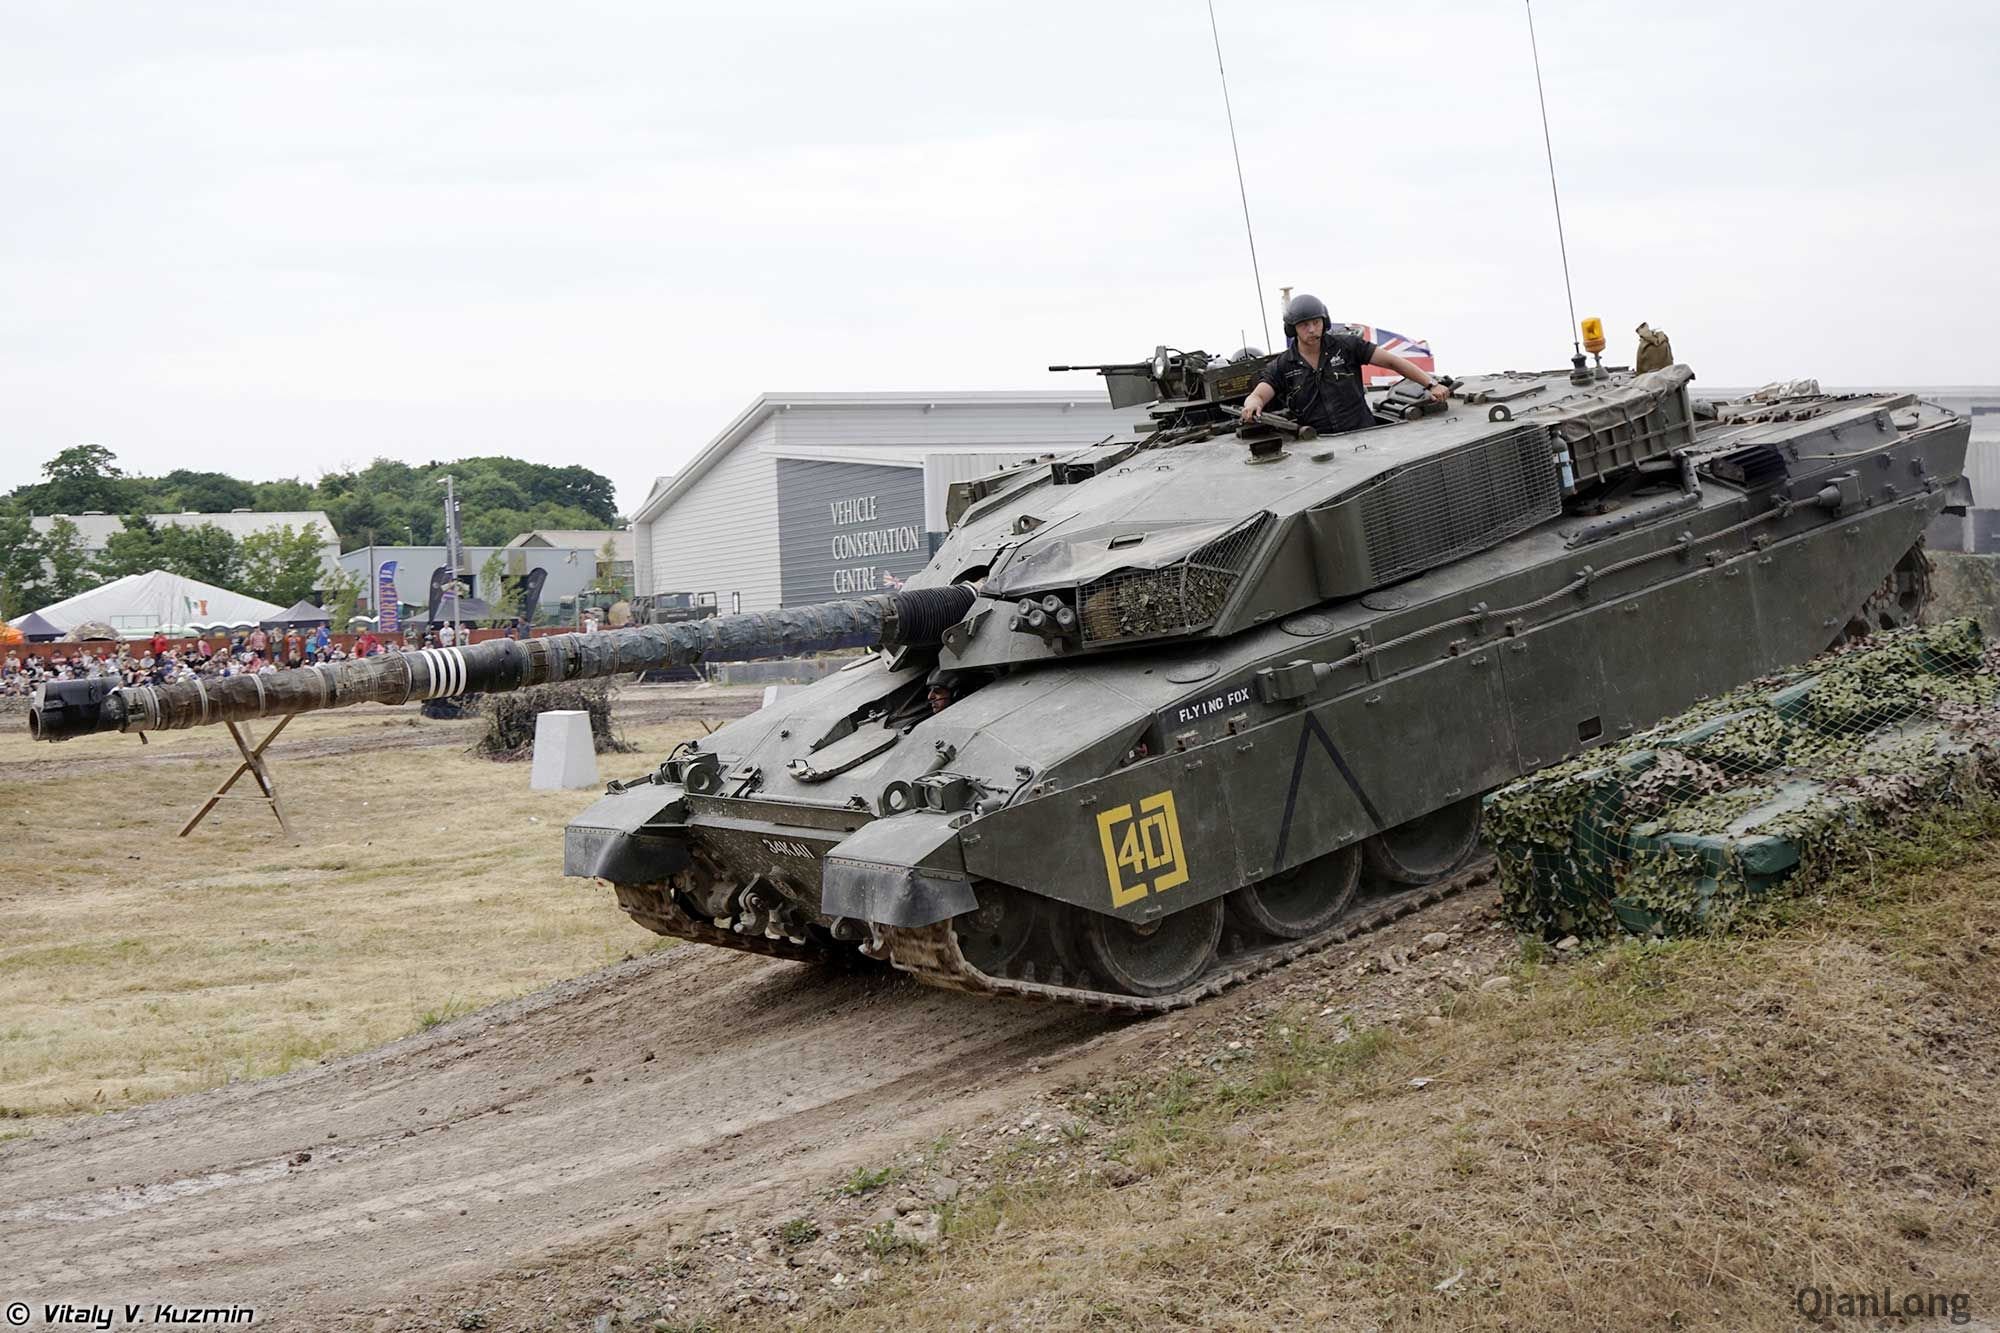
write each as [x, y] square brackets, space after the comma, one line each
[276, 239]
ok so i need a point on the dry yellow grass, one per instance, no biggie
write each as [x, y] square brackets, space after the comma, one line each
[135, 964]
[1676, 1136]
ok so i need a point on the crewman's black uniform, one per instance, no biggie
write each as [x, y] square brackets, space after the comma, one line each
[1329, 399]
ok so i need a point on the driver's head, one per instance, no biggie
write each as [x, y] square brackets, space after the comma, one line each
[942, 688]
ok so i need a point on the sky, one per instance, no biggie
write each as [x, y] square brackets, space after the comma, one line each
[277, 240]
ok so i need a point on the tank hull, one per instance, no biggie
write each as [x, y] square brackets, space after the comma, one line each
[1141, 785]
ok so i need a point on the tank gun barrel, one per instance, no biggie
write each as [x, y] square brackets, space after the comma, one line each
[62, 709]
[1107, 365]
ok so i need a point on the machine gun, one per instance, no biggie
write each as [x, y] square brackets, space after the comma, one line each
[1177, 381]
[1171, 374]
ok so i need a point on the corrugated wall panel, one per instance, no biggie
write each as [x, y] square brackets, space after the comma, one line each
[642, 558]
[722, 535]
[941, 470]
[1004, 426]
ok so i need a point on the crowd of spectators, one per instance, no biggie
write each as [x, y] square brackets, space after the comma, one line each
[162, 659]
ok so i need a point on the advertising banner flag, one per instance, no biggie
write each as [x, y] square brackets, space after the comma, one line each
[388, 612]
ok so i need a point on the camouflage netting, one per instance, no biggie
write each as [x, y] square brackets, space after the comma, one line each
[1673, 831]
[510, 718]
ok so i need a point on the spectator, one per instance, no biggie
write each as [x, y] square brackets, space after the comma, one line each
[259, 642]
[446, 636]
[295, 649]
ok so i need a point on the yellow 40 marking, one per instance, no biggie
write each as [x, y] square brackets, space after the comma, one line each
[1142, 848]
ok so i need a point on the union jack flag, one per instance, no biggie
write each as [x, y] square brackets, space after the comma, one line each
[1413, 350]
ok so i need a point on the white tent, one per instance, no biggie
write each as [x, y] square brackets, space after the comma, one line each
[138, 604]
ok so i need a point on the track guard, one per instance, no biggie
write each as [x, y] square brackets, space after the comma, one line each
[902, 871]
[635, 836]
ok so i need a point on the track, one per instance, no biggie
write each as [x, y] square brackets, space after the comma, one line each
[931, 953]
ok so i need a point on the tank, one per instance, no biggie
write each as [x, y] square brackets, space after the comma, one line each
[1170, 710]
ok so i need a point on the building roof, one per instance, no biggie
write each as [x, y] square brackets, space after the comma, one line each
[592, 539]
[766, 403]
[96, 529]
[138, 604]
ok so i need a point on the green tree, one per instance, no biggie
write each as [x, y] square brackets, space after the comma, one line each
[341, 596]
[493, 527]
[609, 579]
[282, 564]
[23, 575]
[284, 495]
[498, 591]
[580, 488]
[206, 492]
[68, 563]
[134, 549]
[82, 478]
[359, 512]
[483, 491]
[200, 551]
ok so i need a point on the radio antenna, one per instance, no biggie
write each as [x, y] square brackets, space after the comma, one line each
[1549, 148]
[1263, 318]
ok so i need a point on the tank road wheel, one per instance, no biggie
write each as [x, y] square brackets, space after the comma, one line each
[1425, 849]
[1156, 958]
[1898, 603]
[994, 935]
[1302, 901]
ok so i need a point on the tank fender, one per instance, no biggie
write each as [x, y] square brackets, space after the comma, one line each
[634, 836]
[905, 870]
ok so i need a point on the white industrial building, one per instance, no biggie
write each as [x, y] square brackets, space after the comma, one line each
[807, 497]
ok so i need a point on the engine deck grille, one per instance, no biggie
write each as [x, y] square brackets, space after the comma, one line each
[1175, 599]
[1464, 501]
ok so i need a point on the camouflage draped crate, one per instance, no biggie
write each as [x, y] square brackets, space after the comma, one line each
[510, 718]
[1674, 830]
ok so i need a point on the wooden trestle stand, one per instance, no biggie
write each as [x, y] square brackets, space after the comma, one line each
[254, 764]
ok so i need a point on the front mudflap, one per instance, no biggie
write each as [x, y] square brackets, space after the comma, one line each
[905, 870]
[634, 836]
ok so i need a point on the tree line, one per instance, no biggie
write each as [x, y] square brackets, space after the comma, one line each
[386, 503]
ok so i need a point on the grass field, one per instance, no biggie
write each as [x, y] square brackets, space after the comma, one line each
[1647, 1137]
[135, 964]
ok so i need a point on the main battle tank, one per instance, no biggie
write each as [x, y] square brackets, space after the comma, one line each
[1169, 710]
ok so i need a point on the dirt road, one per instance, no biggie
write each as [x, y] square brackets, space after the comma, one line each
[686, 1082]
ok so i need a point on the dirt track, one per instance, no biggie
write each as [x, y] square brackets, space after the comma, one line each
[685, 1083]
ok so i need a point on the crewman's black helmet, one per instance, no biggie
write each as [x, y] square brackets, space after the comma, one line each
[1301, 307]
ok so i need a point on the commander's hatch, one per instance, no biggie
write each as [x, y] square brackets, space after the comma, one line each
[864, 733]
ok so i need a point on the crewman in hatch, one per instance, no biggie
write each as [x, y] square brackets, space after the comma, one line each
[1317, 379]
